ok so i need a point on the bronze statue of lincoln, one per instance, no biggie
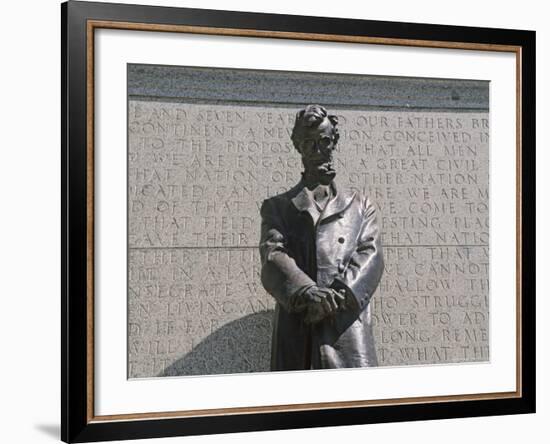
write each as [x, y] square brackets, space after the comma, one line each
[321, 259]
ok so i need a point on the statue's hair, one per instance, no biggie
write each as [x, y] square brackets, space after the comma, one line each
[311, 117]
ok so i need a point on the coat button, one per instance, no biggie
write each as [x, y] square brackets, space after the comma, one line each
[341, 240]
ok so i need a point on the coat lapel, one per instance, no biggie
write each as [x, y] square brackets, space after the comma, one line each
[303, 202]
[338, 204]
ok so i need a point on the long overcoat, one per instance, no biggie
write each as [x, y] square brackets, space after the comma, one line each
[340, 248]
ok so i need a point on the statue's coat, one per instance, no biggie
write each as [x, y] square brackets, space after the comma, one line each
[340, 249]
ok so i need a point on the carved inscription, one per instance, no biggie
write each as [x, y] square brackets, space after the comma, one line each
[197, 174]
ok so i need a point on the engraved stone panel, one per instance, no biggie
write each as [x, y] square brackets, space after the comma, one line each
[198, 172]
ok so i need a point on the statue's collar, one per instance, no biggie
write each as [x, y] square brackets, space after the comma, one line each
[339, 202]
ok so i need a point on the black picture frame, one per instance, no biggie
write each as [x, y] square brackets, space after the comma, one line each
[78, 423]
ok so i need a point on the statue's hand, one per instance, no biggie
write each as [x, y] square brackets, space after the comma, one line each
[322, 303]
[340, 297]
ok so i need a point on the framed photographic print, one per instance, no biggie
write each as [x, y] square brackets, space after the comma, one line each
[275, 221]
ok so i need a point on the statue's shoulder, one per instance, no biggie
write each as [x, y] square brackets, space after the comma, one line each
[277, 202]
[368, 205]
[361, 197]
[285, 196]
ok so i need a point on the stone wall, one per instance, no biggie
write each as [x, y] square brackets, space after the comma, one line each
[206, 146]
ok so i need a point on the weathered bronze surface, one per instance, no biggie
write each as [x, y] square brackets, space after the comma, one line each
[321, 259]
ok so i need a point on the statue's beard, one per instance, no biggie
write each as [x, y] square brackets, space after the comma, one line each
[319, 171]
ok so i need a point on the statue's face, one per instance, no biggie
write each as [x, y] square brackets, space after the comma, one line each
[316, 148]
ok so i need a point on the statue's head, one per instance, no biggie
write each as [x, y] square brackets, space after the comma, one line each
[315, 136]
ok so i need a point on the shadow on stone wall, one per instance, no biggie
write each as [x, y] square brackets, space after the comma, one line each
[241, 346]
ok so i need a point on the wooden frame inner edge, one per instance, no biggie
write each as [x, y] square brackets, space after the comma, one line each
[90, 28]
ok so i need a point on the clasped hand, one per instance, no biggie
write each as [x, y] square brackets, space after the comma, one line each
[322, 303]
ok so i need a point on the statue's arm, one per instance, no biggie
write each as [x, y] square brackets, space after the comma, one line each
[364, 270]
[281, 276]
